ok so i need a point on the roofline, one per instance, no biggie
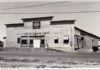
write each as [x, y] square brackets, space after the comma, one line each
[87, 32]
[62, 22]
[14, 25]
[37, 18]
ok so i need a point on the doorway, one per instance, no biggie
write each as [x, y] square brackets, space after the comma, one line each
[36, 43]
[33, 41]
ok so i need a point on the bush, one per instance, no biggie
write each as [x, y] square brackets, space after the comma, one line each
[95, 48]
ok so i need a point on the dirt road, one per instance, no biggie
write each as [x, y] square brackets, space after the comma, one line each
[49, 60]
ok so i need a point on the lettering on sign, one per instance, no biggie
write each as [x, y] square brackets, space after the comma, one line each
[36, 33]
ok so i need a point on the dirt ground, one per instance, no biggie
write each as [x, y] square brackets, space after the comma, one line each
[58, 60]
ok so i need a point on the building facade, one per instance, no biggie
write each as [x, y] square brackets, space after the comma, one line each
[42, 32]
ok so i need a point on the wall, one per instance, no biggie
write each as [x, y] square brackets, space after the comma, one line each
[52, 31]
[61, 31]
[44, 24]
[89, 40]
[13, 33]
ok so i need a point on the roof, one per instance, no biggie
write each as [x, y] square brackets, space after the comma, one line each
[37, 18]
[1, 42]
[87, 33]
[15, 25]
[62, 22]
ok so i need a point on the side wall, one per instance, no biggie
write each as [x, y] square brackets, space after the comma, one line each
[88, 41]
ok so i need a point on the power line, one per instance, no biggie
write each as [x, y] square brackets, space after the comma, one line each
[56, 12]
[34, 5]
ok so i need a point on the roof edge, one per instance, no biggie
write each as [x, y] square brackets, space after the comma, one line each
[87, 32]
[62, 22]
[36, 18]
[15, 25]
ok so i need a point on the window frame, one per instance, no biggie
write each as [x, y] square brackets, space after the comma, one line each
[24, 43]
[56, 40]
[66, 41]
[18, 40]
[36, 27]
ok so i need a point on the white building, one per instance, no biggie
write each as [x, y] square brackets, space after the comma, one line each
[42, 32]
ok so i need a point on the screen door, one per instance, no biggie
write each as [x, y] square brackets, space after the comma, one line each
[36, 43]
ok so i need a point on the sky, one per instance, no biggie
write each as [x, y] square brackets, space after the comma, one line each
[13, 12]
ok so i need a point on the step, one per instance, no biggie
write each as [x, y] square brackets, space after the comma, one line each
[64, 49]
[85, 50]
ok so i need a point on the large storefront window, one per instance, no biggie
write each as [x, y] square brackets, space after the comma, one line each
[24, 41]
[31, 41]
[42, 43]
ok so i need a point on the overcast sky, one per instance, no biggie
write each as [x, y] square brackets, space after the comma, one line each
[88, 21]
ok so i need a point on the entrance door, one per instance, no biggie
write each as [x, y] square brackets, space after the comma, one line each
[36, 43]
[82, 39]
[76, 42]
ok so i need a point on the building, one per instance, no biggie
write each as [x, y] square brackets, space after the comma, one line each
[42, 32]
[1, 44]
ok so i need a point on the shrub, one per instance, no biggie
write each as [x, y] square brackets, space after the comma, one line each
[95, 48]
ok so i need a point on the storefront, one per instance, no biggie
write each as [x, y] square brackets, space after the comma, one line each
[42, 32]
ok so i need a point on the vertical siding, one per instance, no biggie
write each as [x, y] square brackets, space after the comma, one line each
[45, 24]
[61, 31]
[28, 25]
[11, 40]
[89, 42]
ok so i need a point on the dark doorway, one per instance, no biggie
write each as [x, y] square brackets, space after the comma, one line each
[82, 39]
[76, 42]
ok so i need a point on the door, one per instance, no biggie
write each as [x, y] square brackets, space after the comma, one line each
[76, 42]
[36, 43]
[82, 39]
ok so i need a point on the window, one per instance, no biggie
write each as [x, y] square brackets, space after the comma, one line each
[82, 38]
[31, 41]
[66, 40]
[56, 40]
[36, 25]
[98, 43]
[18, 40]
[42, 41]
[24, 41]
